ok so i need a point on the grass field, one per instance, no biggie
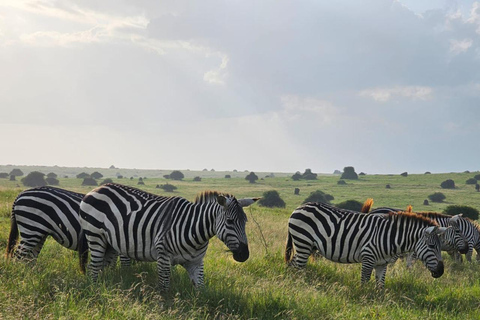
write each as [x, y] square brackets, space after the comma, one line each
[260, 288]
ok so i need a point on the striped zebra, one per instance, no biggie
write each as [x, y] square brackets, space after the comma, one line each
[471, 230]
[352, 237]
[41, 212]
[168, 230]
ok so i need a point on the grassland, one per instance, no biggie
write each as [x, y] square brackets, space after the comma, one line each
[262, 287]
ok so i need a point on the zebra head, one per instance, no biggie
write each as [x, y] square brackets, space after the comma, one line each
[428, 249]
[461, 243]
[230, 225]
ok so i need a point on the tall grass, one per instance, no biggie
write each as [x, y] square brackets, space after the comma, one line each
[262, 287]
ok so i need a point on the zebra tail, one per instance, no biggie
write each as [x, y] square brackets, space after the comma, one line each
[83, 251]
[289, 248]
[13, 238]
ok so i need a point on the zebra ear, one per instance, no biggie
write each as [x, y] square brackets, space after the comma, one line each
[247, 201]
[431, 229]
[222, 200]
[456, 217]
[441, 230]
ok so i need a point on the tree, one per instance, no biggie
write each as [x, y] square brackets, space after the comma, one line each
[16, 173]
[351, 205]
[309, 175]
[108, 180]
[471, 181]
[4, 175]
[197, 178]
[89, 181]
[251, 177]
[52, 175]
[96, 175]
[448, 184]
[319, 196]
[341, 182]
[468, 212]
[176, 175]
[297, 176]
[83, 175]
[349, 173]
[271, 199]
[52, 181]
[437, 197]
[227, 176]
[166, 187]
[404, 174]
[477, 177]
[34, 179]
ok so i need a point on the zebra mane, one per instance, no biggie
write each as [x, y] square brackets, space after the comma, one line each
[367, 205]
[393, 216]
[210, 196]
[475, 223]
[433, 215]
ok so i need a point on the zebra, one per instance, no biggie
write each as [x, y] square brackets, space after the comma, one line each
[352, 237]
[168, 230]
[41, 212]
[471, 231]
[38, 213]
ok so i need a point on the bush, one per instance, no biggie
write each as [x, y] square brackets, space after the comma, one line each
[227, 176]
[362, 174]
[34, 179]
[471, 181]
[251, 177]
[96, 175]
[350, 205]
[4, 175]
[341, 182]
[271, 199]
[388, 186]
[12, 178]
[52, 181]
[468, 212]
[52, 175]
[437, 197]
[167, 187]
[108, 180]
[89, 181]
[176, 175]
[404, 174]
[448, 184]
[197, 179]
[427, 172]
[309, 175]
[17, 172]
[349, 173]
[297, 176]
[319, 196]
[83, 175]
[477, 177]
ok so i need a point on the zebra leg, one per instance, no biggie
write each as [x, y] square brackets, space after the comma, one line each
[163, 271]
[195, 272]
[125, 261]
[367, 268]
[30, 247]
[110, 258]
[97, 257]
[468, 255]
[380, 275]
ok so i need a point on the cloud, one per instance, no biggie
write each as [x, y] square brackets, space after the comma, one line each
[460, 46]
[409, 92]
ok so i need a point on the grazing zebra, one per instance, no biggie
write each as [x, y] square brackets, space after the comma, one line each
[351, 237]
[471, 231]
[169, 230]
[41, 212]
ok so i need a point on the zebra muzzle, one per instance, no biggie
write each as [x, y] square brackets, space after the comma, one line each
[242, 253]
[437, 273]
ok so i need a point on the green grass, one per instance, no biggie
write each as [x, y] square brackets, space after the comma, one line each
[262, 287]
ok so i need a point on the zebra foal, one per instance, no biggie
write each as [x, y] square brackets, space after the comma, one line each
[351, 237]
[168, 230]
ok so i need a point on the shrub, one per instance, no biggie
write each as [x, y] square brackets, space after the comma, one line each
[467, 211]
[404, 174]
[251, 177]
[271, 199]
[17, 172]
[197, 179]
[296, 191]
[388, 186]
[477, 177]
[12, 178]
[471, 181]
[52, 175]
[425, 202]
[176, 175]
[96, 175]
[89, 181]
[227, 176]
[108, 180]
[427, 172]
[362, 174]
[351, 205]
[448, 184]
[309, 175]
[141, 183]
[477, 187]
[319, 196]
[341, 182]
[3, 175]
[437, 197]
[52, 181]
[297, 176]
[349, 173]
[83, 175]
[33, 179]
[167, 187]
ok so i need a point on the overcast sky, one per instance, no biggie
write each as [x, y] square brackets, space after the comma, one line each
[276, 86]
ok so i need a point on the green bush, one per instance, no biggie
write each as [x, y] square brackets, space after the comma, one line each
[271, 199]
[96, 175]
[197, 178]
[297, 176]
[17, 172]
[4, 175]
[448, 184]
[83, 175]
[471, 181]
[341, 182]
[52, 181]
[351, 205]
[319, 196]
[468, 212]
[477, 177]
[251, 177]
[52, 175]
[89, 181]
[108, 180]
[437, 197]
[349, 173]
[176, 175]
[34, 179]
[404, 174]
[167, 187]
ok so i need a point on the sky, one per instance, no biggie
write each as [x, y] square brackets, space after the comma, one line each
[270, 86]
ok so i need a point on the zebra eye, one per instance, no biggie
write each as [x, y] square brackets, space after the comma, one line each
[431, 246]
[229, 220]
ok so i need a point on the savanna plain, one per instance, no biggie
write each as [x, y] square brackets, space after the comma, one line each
[260, 288]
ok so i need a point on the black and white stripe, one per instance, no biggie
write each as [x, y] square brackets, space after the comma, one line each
[41, 212]
[169, 230]
[471, 231]
[352, 237]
